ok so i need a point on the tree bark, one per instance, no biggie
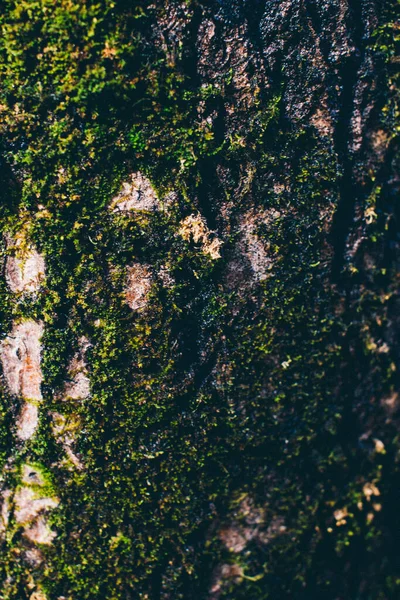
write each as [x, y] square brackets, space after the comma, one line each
[198, 300]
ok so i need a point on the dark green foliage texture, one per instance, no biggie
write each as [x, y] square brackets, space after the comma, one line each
[224, 388]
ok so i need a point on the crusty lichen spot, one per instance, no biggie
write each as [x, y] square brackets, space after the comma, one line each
[20, 358]
[136, 194]
[194, 228]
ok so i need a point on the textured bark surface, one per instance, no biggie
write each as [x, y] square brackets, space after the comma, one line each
[198, 301]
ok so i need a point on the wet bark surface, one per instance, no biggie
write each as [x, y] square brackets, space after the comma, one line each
[198, 301]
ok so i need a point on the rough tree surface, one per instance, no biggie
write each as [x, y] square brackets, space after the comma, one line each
[198, 243]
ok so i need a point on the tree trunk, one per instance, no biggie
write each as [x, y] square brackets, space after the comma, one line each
[198, 300]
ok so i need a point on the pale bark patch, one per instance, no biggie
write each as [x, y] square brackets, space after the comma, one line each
[249, 523]
[78, 385]
[221, 577]
[27, 421]
[5, 510]
[391, 403]
[28, 505]
[38, 596]
[275, 528]
[40, 532]
[138, 286]
[73, 458]
[31, 475]
[25, 273]
[136, 194]
[165, 276]
[255, 249]
[322, 121]
[234, 538]
[20, 358]
[34, 558]
[380, 140]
